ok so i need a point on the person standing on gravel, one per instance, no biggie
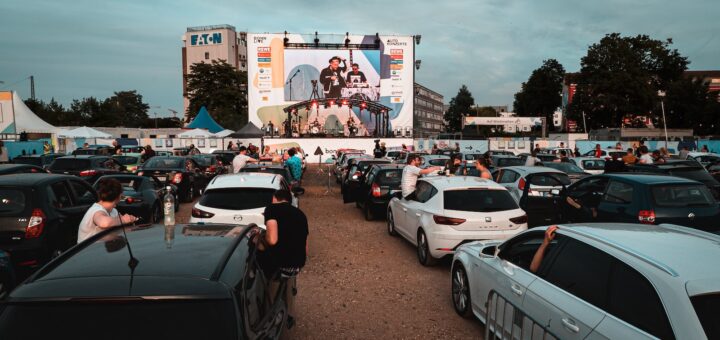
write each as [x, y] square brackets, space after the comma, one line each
[294, 163]
[410, 174]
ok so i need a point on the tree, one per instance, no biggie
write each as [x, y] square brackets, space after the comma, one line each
[124, 108]
[221, 89]
[88, 109]
[460, 105]
[540, 95]
[689, 104]
[620, 76]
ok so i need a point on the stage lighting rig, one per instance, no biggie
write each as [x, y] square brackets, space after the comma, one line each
[286, 40]
[417, 39]
[417, 64]
[347, 39]
[317, 40]
[377, 40]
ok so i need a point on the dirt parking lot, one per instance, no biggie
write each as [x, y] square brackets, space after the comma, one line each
[361, 283]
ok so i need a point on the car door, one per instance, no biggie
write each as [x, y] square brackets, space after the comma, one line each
[507, 179]
[405, 207]
[617, 205]
[72, 198]
[587, 193]
[416, 209]
[542, 210]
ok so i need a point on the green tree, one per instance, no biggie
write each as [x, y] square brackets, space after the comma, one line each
[221, 89]
[460, 105]
[688, 104]
[87, 109]
[124, 108]
[621, 76]
[540, 95]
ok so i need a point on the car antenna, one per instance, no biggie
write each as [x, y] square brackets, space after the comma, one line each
[133, 262]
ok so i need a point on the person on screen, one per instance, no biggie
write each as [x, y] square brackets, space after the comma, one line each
[355, 76]
[331, 78]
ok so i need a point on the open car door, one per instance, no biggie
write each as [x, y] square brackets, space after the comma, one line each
[543, 207]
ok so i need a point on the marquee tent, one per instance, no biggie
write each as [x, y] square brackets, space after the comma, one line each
[196, 133]
[204, 121]
[224, 133]
[16, 117]
[248, 131]
[85, 132]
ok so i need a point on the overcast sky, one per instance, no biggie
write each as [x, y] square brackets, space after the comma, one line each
[83, 48]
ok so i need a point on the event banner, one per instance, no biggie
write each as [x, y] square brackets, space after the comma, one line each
[280, 76]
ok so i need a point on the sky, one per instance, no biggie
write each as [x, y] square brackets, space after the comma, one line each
[83, 48]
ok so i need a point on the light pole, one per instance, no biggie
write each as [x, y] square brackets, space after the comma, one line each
[661, 94]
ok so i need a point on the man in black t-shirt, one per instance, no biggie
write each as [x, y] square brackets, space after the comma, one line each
[331, 78]
[355, 76]
[286, 236]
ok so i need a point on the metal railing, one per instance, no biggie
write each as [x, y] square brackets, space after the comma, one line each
[505, 321]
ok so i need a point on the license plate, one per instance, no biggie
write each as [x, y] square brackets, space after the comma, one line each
[161, 178]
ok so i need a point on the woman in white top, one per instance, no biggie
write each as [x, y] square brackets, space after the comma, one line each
[102, 214]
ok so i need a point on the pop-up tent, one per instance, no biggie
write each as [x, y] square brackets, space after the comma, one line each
[85, 132]
[224, 133]
[196, 133]
[248, 131]
[204, 121]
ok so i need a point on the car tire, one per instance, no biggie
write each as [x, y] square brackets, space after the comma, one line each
[460, 291]
[368, 213]
[423, 250]
[391, 223]
[157, 214]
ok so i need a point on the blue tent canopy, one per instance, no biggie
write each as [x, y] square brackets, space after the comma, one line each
[204, 121]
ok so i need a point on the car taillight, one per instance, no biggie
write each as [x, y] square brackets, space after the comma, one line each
[201, 213]
[131, 200]
[448, 220]
[211, 168]
[376, 190]
[521, 184]
[519, 220]
[646, 216]
[88, 173]
[140, 173]
[177, 178]
[36, 224]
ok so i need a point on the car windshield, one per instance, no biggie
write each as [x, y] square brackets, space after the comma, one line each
[393, 154]
[12, 201]
[564, 167]
[390, 177]
[127, 160]
[70, 164]
[550, 179]
[237, 198]
[172, 319]
[164, 163]
[707, 308]
[698, 174]
[479, 200]
[129, 183]
[594, 164]
[546, 158]
[28, 160]
[503, 162]
[438, 161]
[682, 195]
[204, 160]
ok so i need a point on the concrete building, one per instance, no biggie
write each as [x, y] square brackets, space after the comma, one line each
[207, 43]
[429, 109]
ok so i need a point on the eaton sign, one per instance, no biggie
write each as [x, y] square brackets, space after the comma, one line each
[206, 39]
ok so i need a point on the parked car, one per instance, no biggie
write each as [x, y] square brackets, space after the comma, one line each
[514, 178]
[212, 165]
[356, 172]
[163, 153]
[446, 211]
[132, 149]
[543, 157]
[180, 171]
[40, 215]
[402, 158]
[239, 198]
[427, 161]
[374, 189]
[704, 158]
[42, 161]
[101, 150]
[141, 197]
[689, 169]
[607, 153]
[342, 166]
[227, 155]
[501, 152]
[573, 171]
[643, 198]
[601, 280]
[180, 282]
[501, 161]
[131, 161]
[87, 167]
[277, 169]
[591, 165]
[11, 169]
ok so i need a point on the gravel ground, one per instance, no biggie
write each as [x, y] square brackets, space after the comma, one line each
[361, 283]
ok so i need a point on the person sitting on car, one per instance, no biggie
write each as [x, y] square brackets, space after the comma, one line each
[411, 173]
[102, 214]
[540, 252]
[454, 165]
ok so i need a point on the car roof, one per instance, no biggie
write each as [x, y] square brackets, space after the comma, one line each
[650, 178]
[588, 158]
[373, 160]
[30, 179]
[452, 182]
[665, 247]
[264, 165]
[99, 266]
[525, 170]
[695, 154]
[13, 166]
[390, 166]
[84, 156]
[506, 156]
[40, 155]
[246, 180]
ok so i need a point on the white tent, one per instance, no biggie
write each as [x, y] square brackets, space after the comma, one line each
[85, 132]
[223, 133]
[196, 133]
[18, 118]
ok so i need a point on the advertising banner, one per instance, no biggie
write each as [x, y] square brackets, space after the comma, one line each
[280, 76]
[535, 121]
[329, 145]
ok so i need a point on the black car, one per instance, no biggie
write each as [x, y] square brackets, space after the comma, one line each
[11, 169]
[227, 155]
[40, 215]
[94, 150]
[356, 172]
[277, 169]
[141, 197]
[574, 172]
[689, 169]
[180, 171]
[153, 282]
[87, 167]
[42, 161]
[212, 165]
[374, 193]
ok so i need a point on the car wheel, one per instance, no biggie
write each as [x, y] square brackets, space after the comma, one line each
[367, 211]
[157, 214]
[423, 250]
[391, 223]
[461, 291]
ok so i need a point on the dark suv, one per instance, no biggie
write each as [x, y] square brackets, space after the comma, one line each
[373, 194]
[183, 172]
[40, 215]
[154, 282]
[87, 167]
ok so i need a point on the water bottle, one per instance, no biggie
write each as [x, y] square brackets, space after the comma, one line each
[169, 207]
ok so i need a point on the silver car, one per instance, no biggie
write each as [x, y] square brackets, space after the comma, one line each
[609, 281]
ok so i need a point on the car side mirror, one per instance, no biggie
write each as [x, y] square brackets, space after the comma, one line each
[489, 252]
[298, 191]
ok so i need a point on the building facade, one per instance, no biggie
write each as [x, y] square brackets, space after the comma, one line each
[429, 109]
[208, 43]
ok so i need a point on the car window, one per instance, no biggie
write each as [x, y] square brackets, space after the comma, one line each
[424, 191]
[237, 198]
[550, 179]
[582, 271]
[596, 164]
[12, 201]
[521, 250]
[618, 192]
[682, 195]
[479, 200]
[60, 197]
[70, 164]
[508, 176]
[390, 177]
[588, 186]
[163, 163]
[633, 299]
[707, 308]
[85, 193]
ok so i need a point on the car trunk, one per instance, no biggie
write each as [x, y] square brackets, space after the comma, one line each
[15, 214]
[162, 175]
[234, 205]
[70, 166]
[482, 209]
[686, 205]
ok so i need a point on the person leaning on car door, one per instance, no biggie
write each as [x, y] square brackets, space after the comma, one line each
[102, 214]
[411, 173]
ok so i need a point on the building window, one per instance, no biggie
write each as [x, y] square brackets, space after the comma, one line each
[153, 136]
[207, 55]
[124, 135]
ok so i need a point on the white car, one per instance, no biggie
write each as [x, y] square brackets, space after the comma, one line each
[447, 211]
[427, 161]
[704, 158]
[614, 153]
[595, 281]
[514, 179]
[591, 165]
[239, 198]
